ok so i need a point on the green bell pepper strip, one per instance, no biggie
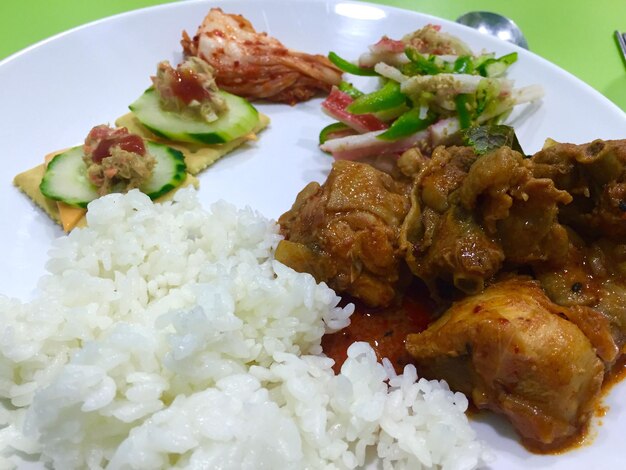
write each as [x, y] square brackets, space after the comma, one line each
[349, 67]
[407, 124]
[349, 89]
[330, 129]
[487, 68]
[419, 65]
[463, 64]
[509, 59]
[387, 97]
[463, 113]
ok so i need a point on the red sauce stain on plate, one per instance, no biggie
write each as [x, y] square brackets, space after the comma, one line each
[385, 329]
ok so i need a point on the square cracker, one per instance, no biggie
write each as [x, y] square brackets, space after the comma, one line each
[28, 182]
[197, 156]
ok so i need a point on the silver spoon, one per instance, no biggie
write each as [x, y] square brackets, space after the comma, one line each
[495, 25]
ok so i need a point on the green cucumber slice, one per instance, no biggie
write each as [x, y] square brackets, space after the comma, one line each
[66, 179]
[169, 172]
[240, 119]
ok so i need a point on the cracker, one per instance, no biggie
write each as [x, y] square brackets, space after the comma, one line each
[28, 182]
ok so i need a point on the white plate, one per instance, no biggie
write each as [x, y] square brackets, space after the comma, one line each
[54, 92]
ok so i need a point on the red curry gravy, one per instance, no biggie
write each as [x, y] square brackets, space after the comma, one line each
[385, 329]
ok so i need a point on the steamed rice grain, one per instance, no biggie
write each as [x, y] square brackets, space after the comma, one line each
[167, 336]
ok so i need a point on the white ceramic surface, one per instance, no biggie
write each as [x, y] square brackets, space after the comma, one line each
[54, 92]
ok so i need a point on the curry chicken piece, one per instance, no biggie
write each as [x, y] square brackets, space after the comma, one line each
[591, 279]
[511, 351]
[472, 213]
[592, 284]
[345, 232]
[257, 66]
[595, 175]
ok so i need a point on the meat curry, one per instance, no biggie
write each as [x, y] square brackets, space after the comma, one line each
[523, 257]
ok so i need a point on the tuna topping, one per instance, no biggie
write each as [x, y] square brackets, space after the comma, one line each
[117, 161]
[189, 89]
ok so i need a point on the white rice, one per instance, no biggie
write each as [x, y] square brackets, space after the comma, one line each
[166, 336]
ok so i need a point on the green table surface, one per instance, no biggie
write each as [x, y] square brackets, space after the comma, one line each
[577, 35]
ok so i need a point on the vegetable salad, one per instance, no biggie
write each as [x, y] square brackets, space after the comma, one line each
[431, 86]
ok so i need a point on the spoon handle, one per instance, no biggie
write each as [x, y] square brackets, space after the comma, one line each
[621, 39]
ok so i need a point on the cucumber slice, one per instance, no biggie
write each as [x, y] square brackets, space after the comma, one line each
[168, 173]
[240, 119]
[66, 179]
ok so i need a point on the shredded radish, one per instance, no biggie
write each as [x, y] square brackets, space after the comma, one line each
[361, 146]
[449, 83]
[390, 72]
